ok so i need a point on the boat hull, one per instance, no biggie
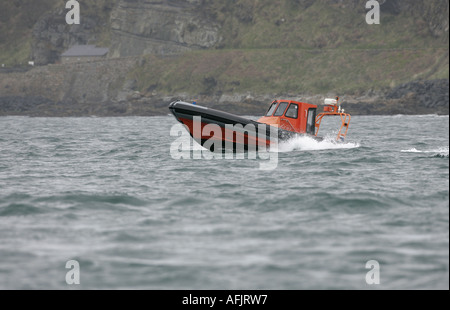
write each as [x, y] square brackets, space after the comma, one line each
[217, 130]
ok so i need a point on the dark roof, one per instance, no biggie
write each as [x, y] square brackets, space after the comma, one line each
[85, 50]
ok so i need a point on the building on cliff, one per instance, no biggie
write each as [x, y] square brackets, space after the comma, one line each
[83, 53]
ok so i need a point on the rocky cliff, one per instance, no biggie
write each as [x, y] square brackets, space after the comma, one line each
[127, 27]
[51, 36]
[239, 53]
[160, 27]
[139, 27]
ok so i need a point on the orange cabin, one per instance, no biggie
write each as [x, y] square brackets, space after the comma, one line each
[292, 116]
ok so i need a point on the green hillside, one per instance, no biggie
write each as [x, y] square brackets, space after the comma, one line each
[272, 46]
[17, 18]
[303, 47]
[324, 24]
[283, 71]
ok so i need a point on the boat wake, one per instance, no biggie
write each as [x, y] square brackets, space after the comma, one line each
[440, 152]
[310, 144]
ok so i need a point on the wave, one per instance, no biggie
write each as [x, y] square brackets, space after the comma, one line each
[23, 205]
[19, 209]
[410, 116]
[310, 144]
[440, 152]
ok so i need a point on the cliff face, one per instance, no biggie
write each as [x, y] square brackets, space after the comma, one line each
[139, 27]
[132, 27]
[436, 16]
[172, 26]
[433, 13]
[92, 82]
[160, 27]
[52, 36]
[243, 49]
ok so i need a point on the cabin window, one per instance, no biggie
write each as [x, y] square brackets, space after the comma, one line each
[281, 108]
[272, 109]
[311, 124]
[292, 112]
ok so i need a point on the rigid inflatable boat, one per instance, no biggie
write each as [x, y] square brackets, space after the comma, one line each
[284, 120]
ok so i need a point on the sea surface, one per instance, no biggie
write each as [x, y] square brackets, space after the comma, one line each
[110, 194]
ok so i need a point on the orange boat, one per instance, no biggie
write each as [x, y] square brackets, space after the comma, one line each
[284, 120]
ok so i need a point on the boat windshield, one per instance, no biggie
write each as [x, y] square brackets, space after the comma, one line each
[292, 112]
[281, 109]
[272, 109]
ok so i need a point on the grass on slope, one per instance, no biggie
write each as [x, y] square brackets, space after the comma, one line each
[288, 71]
[319, 24]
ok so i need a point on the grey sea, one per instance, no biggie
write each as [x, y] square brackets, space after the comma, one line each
[109, 194]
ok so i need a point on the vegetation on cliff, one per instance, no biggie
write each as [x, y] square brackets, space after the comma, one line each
[255, 47]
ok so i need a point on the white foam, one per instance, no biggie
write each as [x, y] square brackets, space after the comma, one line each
[309, 144]
[413, 150]
[414, 116]
[444, 151]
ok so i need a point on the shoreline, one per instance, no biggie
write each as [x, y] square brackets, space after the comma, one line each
[348, 108]
[410, 104]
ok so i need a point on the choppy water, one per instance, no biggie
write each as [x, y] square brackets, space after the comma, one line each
[107, 193]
